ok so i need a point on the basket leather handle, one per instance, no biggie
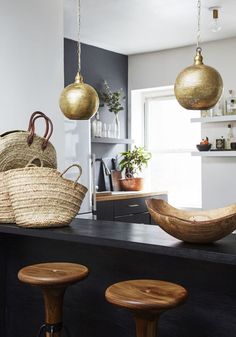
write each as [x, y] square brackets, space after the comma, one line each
[47, 135]
[31, 128]
[73, 165]
[32, 117]
[31, 162]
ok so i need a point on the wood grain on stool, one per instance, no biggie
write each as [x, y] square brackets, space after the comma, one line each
[147, 299]
[53, 279]
[56, 273]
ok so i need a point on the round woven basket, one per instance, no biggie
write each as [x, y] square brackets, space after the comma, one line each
[16, 153]
[6, 211]
[17, 148]
[42, 198]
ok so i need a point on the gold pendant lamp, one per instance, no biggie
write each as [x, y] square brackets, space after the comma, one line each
[198, 87]
[79, 101]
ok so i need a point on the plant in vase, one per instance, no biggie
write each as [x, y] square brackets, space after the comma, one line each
[132, 163]
[113, 100]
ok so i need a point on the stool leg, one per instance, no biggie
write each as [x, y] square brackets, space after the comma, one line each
[53, 302]
[146, 325]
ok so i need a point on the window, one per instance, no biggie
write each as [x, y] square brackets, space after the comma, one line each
[170, 136]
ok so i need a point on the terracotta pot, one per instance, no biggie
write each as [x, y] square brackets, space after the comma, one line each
[132, 184]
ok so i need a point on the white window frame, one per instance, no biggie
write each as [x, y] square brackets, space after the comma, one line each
[146, 95]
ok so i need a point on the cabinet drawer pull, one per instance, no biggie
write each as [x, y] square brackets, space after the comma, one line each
[134, 205]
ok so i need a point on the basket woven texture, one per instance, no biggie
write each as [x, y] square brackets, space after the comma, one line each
[6, 211]
[18, 147]
[15, 152]
[42, 198]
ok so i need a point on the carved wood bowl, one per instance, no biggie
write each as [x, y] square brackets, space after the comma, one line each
[196, 227]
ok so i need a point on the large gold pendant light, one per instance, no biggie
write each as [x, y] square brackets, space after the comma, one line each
[79, 100]
[198, 87]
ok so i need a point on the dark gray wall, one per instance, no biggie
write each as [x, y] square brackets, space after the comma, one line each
[98, 65]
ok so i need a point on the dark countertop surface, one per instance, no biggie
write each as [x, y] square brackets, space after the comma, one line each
[139, 237]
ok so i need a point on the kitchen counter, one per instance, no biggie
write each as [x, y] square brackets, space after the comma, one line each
[121, 195]
[138, 237]
[115, 252]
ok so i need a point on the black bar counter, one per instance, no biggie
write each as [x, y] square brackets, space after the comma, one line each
[115, 251]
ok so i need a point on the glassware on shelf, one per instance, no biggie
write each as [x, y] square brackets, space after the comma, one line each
[116, 126]
[110, 133]
[219, 109]
[229, 137]
[104, 130]
[93, 128]
[220, 143]
[207, 113]
[97, 126]
[114, 130]
[231, 104]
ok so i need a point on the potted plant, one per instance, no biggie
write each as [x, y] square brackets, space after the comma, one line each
[132, 163]
[113, 101]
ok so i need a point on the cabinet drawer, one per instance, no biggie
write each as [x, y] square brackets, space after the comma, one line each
[135, 218]
[129, 206]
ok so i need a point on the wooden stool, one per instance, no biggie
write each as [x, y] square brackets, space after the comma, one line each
[53, 279]
[147, 299]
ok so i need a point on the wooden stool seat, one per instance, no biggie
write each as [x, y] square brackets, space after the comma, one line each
[146, 299]
[146, 295]
[52, 274]
[53, 279]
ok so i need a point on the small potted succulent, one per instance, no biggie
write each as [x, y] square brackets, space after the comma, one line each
[132, 163]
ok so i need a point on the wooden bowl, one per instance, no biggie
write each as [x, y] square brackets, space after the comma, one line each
[196, 227]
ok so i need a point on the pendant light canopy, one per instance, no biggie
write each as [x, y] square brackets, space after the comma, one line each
[198, 87]
[79, 101]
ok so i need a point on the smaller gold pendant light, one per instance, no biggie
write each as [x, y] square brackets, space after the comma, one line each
[198, 87]
[79, 101]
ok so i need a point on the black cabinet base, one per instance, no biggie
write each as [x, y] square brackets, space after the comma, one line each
[209, 311]
[132, 210]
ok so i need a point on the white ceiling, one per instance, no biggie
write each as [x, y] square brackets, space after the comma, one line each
[138, 26]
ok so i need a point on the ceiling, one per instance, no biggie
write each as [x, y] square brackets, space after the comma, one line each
[138, 26]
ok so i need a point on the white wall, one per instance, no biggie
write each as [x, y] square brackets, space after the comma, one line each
[31, 64]
[160, 69]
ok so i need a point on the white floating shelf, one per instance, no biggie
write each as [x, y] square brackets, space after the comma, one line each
[214, 153]
[107, 140]
[215, 119]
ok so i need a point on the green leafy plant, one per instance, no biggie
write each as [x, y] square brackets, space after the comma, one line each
[134, 160]
[112, 98]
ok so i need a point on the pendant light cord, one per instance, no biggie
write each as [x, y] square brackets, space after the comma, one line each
[198, 23]
[78, 32]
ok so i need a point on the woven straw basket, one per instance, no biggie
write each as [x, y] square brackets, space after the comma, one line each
[6, 211]
[18, 147]
[42, 198]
